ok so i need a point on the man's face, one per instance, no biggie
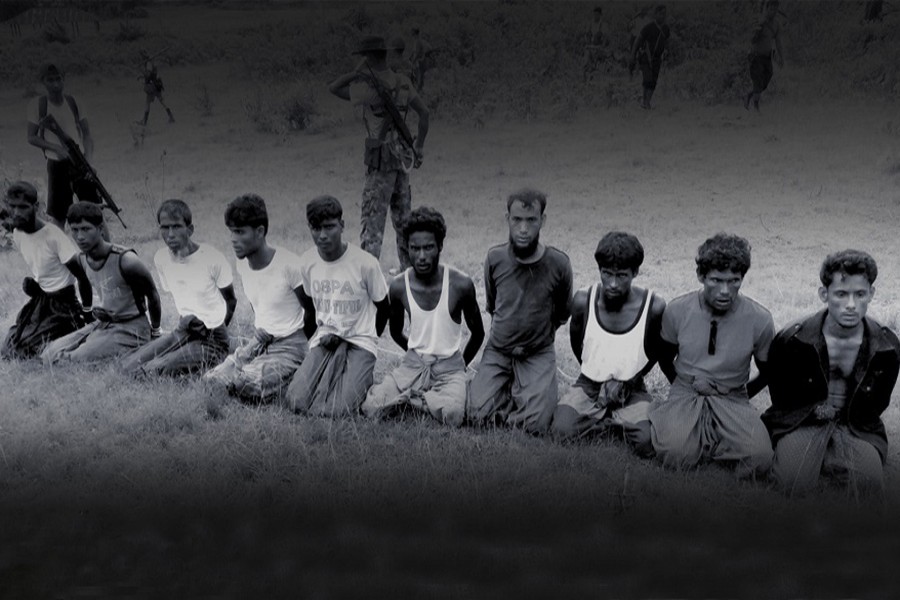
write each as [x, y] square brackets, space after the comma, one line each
[424, 253]
[21, 213]
[53, 83]
[245, 240]
[847, 298]
[525, 224]
[327, 236]
[86, 235]
[174, 232]
[616, 285]
[720, 289]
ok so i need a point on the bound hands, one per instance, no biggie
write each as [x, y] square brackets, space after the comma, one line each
[330, 342]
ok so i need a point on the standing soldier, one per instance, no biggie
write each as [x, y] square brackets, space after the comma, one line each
[765, 42]
[385, 97]
[420, 57]
[153, 87]
[648, 50]
[63, 180]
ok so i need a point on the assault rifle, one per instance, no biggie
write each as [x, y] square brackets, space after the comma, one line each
[82, 166]
[394, 114]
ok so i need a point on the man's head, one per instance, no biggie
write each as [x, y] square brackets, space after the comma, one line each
[325, 217]
[722, 261]
[52, 77]
[175, 224]
[86, 223]
[372, 48]
[619, 256]
[424, 233]
[21, 205]
[525, 217]
[659, 14]
[847, 286]
[247, 219]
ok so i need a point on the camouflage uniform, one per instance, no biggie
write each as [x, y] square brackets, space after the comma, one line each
[387, 184]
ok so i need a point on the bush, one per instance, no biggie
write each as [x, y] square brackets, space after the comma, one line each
[56, 32]
[129, 32]
[203, 101]
[281, 112]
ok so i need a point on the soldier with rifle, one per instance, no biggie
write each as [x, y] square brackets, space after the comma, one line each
[391, 151]
[64, 181]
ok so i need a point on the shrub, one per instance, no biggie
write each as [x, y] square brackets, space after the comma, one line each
[129, 32]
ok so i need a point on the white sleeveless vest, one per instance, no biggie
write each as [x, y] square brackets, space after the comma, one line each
[433, 331]
[606, 355]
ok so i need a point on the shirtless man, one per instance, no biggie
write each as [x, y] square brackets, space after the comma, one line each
[615, 335]
[437, 297]
[831, 378]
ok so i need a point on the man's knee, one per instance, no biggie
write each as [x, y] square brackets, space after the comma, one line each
[563, 426]
[638, 437]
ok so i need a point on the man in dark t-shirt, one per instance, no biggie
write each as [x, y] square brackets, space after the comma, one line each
[528, 293]
[648, 51]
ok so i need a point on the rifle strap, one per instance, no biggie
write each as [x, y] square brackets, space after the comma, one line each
[73, 106]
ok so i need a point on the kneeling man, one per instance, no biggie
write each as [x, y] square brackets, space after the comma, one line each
[831, 378]
[346, 308]
[614, 333]
[715, 333]
[124, 291]
[432, 376]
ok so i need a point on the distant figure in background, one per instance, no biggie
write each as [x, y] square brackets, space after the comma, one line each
[831, 378]
[432, 376]
[649, 52]
[124, 292]
[765, 41]
[52, 310]
[596, 43]
[201, 282]
[153, 88]
[64, 182]
[421, 58]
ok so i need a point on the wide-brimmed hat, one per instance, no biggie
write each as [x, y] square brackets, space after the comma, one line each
[371, 43]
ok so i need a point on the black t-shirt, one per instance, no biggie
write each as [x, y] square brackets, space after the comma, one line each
[655, 38]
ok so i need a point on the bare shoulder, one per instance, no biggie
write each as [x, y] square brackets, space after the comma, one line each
[657, 304]
[460, 281]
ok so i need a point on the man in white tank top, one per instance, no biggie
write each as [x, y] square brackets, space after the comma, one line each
[432, 375]
[615, 336]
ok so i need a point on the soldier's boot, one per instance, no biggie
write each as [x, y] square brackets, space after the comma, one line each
[171, 116]
[144, 120]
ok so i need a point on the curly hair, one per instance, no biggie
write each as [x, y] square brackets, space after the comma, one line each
[428, 220]
[85, 211]
[22, 190]
[848, 262]
[528, 197]
[247, 210]
[619, 250]
[723, 252]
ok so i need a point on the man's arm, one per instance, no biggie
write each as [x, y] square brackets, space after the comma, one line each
[84, 285]
[562, 298]
[138, 277]
[340, 87]
[472, 315]
[490, 289]
[667, 353]
[654, 342]
[309, 312]
[396, 292]
[577, 325]
[419, 107]
[35, 140]
[382, 314]
[230, 302]
[758, 383]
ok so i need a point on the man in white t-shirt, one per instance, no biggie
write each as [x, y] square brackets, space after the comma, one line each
[345, 298]
[260, 369]
[63, 182]
[53, 310]
[201, 282]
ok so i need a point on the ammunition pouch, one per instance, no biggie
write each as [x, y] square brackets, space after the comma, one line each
[379, 156]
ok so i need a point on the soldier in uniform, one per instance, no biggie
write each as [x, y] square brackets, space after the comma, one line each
[387, 159]
[153, 87]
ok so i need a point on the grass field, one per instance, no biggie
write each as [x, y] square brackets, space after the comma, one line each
[113, 488]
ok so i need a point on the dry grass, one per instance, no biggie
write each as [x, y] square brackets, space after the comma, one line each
[110, 487]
